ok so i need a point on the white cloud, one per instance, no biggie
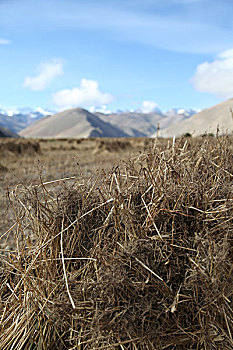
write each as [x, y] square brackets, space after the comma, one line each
[226, 54]
[216, 77]
[148, 106]
[47, 72]
[88, 94]
[4, 41]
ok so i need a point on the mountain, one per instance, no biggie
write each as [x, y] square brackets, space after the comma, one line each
[76, 122]
[26, 111]
[16, 120]
[175, 115]
[180, 113]
[133, 124]
[137, 124]
[7, 133]
[204, 122]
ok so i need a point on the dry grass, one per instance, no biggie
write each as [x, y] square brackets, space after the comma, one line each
[26, 161]
[139, 257]
[12, 146]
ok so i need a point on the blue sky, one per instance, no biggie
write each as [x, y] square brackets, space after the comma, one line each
[116, 54]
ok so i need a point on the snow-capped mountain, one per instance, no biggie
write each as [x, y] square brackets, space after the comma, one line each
[25, 111]
[181, 111]
[139, 124]
[133, 123]
[16, 119]
[44, 111]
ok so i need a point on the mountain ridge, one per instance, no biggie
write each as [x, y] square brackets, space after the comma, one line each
[78, 122]
[18, 119]
[75, 122]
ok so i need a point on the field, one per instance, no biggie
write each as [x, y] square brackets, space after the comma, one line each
[27, 162]
[116, 244]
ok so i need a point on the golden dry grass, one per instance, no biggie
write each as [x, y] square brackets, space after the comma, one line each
[26, 162]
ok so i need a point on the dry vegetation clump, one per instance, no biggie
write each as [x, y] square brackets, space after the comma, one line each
[18, 147]
[3, 169]
[111, 145]
[140, 258]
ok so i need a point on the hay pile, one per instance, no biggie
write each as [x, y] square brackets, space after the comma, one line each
[139, 259]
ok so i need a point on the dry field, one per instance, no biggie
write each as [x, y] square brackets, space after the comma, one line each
[26, 162]
[116, 244]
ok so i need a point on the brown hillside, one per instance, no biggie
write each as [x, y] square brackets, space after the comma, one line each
[205, 121]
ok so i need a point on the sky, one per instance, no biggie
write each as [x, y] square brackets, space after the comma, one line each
[116, 54]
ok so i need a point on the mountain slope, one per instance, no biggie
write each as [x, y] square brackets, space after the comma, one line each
[76, 122]
[205, 121]
[19, 121]
[138, 124]
[7, 133]
[133, 123]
